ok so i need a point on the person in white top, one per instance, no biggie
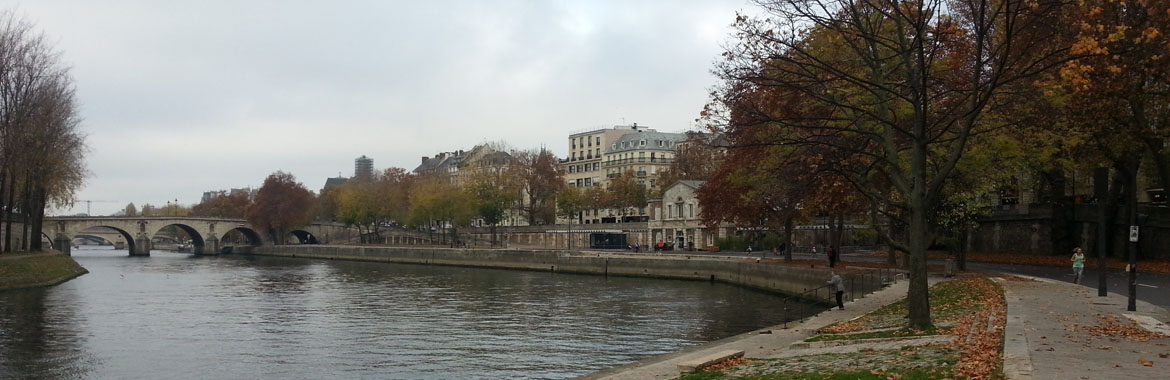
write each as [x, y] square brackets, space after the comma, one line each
[836, 280]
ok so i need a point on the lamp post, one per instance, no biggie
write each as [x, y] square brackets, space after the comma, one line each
[1101, 193]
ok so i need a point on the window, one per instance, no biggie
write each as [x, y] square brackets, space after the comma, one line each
[598, 152]
[588, 182]
[643, 143]
[579, 182]
[692, 209]
[596, 166]
[599, 141]
[669, 211]
[660, 143]
[571, 168]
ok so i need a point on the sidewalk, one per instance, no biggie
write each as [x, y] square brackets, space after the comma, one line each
[768, 342]
[1060, 330]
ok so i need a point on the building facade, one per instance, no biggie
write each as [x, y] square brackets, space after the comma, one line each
[583, 167]
[643, 154]
[676, 219]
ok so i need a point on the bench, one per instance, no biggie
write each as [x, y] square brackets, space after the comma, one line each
[708, 360]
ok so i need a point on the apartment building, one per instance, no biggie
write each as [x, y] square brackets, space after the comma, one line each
[457, 163]
[644, 154]
[583, 167]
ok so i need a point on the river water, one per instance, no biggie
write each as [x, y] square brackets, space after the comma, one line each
[179, 316]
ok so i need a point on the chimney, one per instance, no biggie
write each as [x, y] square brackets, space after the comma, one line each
[424, 159]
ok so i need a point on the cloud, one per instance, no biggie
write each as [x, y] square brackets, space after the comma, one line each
[180, 98]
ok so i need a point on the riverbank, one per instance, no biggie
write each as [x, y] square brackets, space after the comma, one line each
[33, 270]
[767, 275]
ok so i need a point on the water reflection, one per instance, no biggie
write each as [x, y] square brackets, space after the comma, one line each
[186, 317]
[41, 336]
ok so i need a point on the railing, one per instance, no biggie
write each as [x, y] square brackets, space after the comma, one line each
[868, 282]
[642, 173]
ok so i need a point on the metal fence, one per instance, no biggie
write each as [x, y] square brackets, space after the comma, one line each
[855, 284]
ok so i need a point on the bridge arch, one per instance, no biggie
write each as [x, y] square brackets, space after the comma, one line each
[241, 234]
[305, 237]
[198, 245]
[91, 230]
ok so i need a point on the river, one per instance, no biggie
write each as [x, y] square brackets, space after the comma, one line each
[180, 316]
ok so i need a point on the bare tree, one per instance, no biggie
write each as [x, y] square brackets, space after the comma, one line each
[541, 178]
[41, 151]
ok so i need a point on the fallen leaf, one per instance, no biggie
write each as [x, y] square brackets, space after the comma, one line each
[1146, 363]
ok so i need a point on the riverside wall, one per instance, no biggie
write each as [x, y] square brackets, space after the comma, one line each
[768, 276]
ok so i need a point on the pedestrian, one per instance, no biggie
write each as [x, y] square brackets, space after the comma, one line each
[637, 248]
[814, 250]
[749, 249]
[1078, 260]
[836, 280]
[832, 253]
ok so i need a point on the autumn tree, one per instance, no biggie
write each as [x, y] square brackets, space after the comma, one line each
[1116, 92]
[892, 91]
[626, 195]
[437, 203]
[493, 191]
[540, 178]
[282, 204]
[571, 201]
[225, 205]
[357, 205]
[696, 158]
[130, 210]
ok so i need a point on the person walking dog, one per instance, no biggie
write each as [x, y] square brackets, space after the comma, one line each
[836, 280]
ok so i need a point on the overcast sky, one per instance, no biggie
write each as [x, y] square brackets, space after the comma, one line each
[183, 97]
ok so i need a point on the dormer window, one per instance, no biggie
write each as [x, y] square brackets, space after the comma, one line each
[643, 143]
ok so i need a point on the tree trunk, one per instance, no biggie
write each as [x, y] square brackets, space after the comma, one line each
[9, 202]
[1161, 161]
[917, 297]
[38, 220]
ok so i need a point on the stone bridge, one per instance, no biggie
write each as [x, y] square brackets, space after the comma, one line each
[206, 233]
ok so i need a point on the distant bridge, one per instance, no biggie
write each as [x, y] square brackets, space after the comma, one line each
[206, 233]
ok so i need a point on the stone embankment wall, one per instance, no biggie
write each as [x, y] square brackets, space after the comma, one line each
[767, 276]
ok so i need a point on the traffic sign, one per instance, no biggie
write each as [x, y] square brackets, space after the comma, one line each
[1133, 234]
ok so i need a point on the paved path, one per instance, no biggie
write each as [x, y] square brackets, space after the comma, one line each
[754, 344]
[1050, 334]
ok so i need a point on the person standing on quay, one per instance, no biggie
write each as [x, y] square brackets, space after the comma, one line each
[840, 286]
[832, 253]
[1078, 260]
